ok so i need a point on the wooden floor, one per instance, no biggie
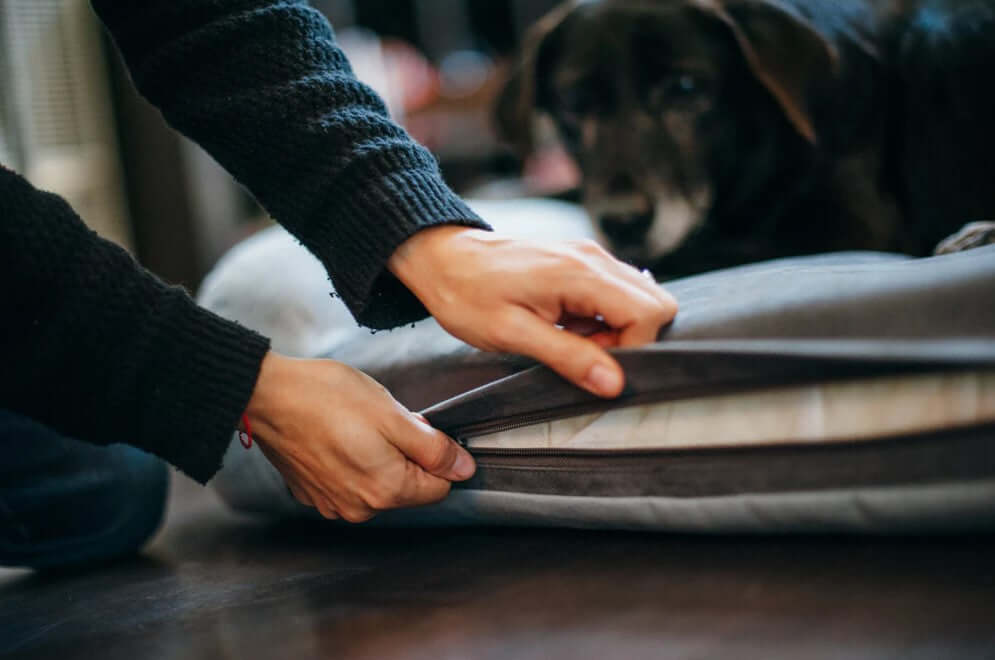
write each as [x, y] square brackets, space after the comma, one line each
[214, 585]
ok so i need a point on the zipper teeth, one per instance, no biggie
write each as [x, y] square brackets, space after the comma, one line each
[554, 452]
[567, 411]
[563, 412]
[551, 415]
[498, 427]
[486, 428]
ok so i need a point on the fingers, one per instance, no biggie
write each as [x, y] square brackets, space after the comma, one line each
[578, 359]
[641, 279]
[637, 314]
[628, 299]
[584, 326]
[420, 488]
[631, 307]
[327, 510]
[368, 455]
[607, 339]
[300, 495]
[400, 485]
[594, 330]
[431, 449]
[386, 491]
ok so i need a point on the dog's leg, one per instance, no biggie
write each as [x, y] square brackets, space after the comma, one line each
[972, 235]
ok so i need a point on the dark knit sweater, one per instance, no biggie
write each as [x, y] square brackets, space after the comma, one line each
[98, 348]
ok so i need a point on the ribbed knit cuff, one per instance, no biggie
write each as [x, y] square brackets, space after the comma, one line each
[206, 372]
[403, 202]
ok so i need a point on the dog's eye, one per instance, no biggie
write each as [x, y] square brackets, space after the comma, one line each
[575, 104]
[573, 108]
[684, 84]
[678, 90]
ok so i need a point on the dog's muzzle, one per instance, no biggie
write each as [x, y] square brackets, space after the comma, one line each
[624, 219]
[626, 231]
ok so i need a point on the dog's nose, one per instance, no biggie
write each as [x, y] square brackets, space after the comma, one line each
[626, 230]
[621, 184]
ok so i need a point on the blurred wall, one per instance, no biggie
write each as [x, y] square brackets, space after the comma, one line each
[56, 117]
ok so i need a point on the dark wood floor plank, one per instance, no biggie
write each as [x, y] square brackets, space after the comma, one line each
[218, 586]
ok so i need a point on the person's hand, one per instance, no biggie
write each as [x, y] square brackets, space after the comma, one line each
[344, 445]
[500, 294]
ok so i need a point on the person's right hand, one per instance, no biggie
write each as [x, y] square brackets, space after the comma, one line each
[344, 445]
[560, 303]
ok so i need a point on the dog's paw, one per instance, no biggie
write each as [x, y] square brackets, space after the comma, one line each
[975, 234]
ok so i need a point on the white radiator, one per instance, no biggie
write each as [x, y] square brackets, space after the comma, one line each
[56, 120]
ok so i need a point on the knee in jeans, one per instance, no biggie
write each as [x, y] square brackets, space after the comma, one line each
[93, 504]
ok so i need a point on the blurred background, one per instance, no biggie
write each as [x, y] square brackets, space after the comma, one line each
[72, 123]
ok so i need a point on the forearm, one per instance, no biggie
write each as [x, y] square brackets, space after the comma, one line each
[263, 87]
[101, 350]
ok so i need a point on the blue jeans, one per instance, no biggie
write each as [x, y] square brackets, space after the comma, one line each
[65, 502]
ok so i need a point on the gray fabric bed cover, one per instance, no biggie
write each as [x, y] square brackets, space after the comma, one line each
[793, 320]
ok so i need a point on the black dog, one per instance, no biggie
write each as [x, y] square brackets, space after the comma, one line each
[713, 132]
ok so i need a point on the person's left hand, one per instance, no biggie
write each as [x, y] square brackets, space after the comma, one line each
[344, 445]
[516, 296]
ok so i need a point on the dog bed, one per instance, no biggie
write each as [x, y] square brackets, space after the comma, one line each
[843, 392]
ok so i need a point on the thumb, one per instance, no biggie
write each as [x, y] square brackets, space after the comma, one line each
[433, 450]
[580, 360]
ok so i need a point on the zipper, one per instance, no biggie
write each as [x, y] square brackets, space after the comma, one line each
[499, 426]
[476, 429]
[555, 452]
[488, 427]
[582, 460]
[467, 416]
[934, 456]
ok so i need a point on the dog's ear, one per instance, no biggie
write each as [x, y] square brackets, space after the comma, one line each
[521, 97]
[785, 53]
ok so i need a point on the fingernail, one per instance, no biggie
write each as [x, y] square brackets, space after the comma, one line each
[464, 467]
[602, 379]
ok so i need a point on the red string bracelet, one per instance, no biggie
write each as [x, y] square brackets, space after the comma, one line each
[245, 437]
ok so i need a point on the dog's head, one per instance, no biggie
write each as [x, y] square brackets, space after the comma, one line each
[668, 106]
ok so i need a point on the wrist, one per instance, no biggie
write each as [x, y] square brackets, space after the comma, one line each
[263, 406]
[417, 261]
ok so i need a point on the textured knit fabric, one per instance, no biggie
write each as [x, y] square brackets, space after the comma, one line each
[98, 348]
[261, 85]
[101, 350]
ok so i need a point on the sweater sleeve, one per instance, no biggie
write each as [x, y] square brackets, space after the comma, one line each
[262, 86]
[99, 349]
